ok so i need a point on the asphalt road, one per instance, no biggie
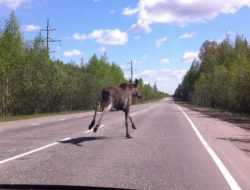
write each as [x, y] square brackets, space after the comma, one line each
[164, 153]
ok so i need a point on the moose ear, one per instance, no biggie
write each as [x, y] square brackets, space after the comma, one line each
[136, 82]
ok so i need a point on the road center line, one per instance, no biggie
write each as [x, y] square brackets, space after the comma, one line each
[35, 124]
[37, 149]
[142, 111]
[28, 153]
[224, 171]
[58, 142]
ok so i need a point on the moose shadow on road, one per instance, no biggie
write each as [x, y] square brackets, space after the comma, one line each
[79, 140]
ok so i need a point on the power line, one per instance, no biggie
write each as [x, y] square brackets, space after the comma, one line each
[48, 39]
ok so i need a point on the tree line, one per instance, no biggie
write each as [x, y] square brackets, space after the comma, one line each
[221, 78]
[31, 82]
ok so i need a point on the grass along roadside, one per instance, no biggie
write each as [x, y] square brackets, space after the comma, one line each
[38, 115]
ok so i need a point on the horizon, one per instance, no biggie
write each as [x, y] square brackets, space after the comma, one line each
[162, 43]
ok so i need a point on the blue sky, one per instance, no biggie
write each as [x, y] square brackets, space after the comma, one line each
[162, 37]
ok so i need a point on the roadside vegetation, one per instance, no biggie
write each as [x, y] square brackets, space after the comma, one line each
[221, 78]
[31, 82]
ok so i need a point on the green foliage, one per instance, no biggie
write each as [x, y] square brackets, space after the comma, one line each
[223, 77]
[30, 82]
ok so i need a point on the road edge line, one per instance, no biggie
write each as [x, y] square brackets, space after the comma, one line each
[224, 171]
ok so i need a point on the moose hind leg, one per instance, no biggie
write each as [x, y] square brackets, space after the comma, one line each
[126, 125]
[132, 123]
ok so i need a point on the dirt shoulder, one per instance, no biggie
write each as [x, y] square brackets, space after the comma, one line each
[228, 134]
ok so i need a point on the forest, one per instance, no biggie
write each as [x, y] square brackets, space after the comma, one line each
[31, 82]
[221, 76]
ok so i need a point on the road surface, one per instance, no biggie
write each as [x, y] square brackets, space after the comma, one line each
[164, 153]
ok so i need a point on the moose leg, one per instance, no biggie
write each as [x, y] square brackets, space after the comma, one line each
[132, 123]
[93, 120]
[126, 125]
[108, 108]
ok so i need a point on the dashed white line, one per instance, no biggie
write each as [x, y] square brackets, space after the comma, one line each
[28, 153]
[56, 143]
[65, 139]
[224, 171]
[143, 111]
[35, 124]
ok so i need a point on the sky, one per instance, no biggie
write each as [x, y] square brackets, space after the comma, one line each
[161, 37]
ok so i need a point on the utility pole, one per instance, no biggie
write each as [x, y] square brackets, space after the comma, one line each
[131, 71]
[48, 39]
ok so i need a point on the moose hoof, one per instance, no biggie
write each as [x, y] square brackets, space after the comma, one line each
[95, 129]
[128, 136]
[134, 127]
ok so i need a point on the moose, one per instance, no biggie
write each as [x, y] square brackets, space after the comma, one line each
[117, 98]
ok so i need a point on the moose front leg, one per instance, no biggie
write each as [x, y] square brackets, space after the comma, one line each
[126, 125]
[132, 123]
[108, 108]
[94, 117]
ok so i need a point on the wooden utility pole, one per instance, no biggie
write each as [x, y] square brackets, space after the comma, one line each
[131, 71]
[48, 39]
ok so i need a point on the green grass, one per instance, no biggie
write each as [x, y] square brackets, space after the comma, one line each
[37, 115]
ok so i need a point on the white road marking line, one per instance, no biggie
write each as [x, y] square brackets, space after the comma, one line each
[224, 171]
[65, 139]
[28, 153]
[38, 149]
[35, 124]
[142, 111]
[56, 143]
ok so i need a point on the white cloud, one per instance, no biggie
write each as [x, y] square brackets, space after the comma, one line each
[190, 56]
[187, 35]
[12, 4]
[162, 73]
[102, 49]
[164, 60]
[110, 37]
[128, 11]
[105, 37]
[31, 28]
[160, 41]
[72, 53]
[166, 79]
[78, 36]
[182, 12]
